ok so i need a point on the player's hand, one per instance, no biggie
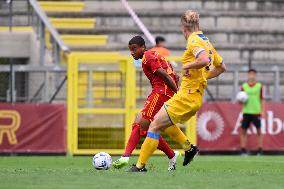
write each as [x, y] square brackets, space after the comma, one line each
[185, 72]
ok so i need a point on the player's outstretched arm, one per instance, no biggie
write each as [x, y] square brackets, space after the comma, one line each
[201, 61]
[167, 79]
[216, 71]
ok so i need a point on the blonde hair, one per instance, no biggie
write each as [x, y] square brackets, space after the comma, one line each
[190, 20]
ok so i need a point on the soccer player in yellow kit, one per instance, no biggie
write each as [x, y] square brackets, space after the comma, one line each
[200, 63]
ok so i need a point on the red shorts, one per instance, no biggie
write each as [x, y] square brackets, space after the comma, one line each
[153, 104]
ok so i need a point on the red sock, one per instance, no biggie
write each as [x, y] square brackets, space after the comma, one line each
[133, 140]
[163, 146]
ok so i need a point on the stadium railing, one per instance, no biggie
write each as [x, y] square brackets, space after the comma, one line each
[223, 88]
[38, 20]
[41, 22]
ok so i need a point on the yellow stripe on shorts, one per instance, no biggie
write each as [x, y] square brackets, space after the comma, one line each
[153, 104]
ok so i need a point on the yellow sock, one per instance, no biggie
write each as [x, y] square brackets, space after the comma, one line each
[148, 148]
[178, 136]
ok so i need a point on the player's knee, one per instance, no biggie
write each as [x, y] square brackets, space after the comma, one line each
[243, 129]
[155, 126]
[144, 124]
[144, 129]
[258, 131]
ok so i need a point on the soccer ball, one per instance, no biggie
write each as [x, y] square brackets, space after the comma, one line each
[102, 161]
[242, 97]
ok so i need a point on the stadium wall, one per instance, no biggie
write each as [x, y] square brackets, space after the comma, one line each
[41, 129]
[218, 127]
[32, 128]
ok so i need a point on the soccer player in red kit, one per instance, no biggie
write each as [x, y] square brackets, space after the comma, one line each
[164, 85]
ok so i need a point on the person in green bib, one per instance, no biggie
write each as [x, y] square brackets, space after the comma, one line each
[252, 110]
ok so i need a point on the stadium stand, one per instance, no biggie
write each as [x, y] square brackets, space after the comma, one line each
[244, 32]
[239, 29]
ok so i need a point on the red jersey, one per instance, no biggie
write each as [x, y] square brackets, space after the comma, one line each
[151, 62]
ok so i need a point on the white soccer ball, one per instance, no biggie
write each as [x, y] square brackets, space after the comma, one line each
[242, 97]
[102, 161]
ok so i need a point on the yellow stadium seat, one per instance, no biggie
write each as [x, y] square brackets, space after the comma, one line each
[16, 29]
[73, 23]
[82, 40]
[62, 6]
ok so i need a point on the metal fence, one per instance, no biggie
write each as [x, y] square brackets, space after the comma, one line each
[33, 83]
[226, 86]
[48, 84]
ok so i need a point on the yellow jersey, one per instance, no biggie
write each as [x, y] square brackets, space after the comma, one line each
[197, 43]
[188, 100]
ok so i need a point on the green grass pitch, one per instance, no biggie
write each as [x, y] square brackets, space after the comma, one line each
[212, 172]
